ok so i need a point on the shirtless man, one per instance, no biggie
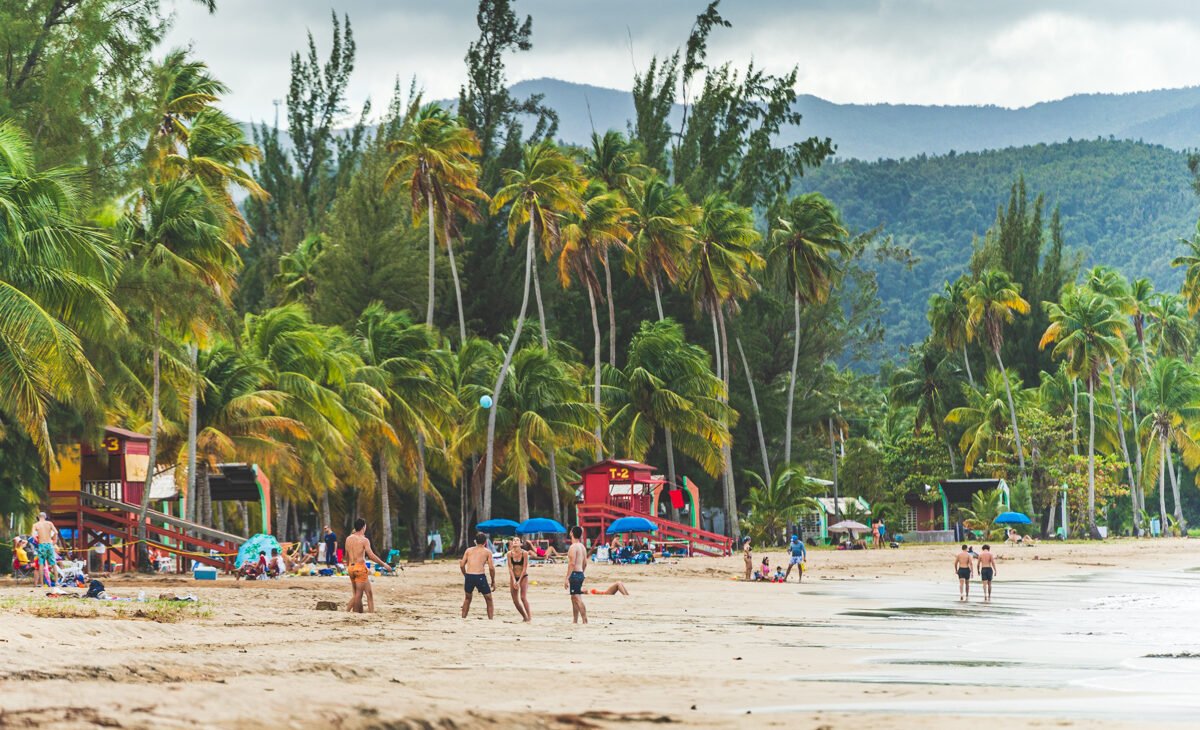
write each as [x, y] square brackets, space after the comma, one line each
[472, 564]
[46, 534]
[962, 566]
[358, 549]
[987, 570]
[576, 564]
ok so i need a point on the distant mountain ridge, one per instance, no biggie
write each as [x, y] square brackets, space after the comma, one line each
[1169, 117]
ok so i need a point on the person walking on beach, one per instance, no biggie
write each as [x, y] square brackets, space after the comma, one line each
[748, 557]
[987, 570]
[797, 553]
[518, 578]
[875, 534]
[330, 540]
[46, 534]
[576, 565]
[358, 549]
[477, 558]
[962, 566]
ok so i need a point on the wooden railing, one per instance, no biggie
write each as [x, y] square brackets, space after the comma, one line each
[702, 542]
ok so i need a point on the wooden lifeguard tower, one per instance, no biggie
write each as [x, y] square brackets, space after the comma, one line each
[617, 488]
[96, 494]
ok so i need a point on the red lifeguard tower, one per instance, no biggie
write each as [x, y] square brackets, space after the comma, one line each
[616, 488]
[96, 495]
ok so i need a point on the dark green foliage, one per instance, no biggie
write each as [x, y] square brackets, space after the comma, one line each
[1122, 203]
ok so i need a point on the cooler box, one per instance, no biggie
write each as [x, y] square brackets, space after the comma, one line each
[205, 572]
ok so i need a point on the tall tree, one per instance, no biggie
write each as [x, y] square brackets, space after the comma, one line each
[948, 314]
[993, 302]
[663, 234]
[1172, 402]
[808, 239]
[1087, 331]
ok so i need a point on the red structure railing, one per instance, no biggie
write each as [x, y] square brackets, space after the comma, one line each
[702, 542]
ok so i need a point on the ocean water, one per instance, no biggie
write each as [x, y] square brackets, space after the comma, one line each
[1116, 645]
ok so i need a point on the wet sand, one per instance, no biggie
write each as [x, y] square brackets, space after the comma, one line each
[1077, 635]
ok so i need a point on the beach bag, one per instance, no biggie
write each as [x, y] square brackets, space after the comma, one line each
[95, 588]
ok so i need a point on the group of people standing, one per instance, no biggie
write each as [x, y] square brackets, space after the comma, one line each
[478, 567]
[38, 553]
[797, 555]
[965, 563]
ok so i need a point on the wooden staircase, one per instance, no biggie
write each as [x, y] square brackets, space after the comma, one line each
[597, 517]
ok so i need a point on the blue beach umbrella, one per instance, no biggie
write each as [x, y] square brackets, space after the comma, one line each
[252, 547]
[540, 524]
[1011, 518]
[498, 527]
[631, 524]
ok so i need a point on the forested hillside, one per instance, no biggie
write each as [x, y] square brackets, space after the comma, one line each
[1124, 204]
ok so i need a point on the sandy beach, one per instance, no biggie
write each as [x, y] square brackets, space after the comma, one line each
[1077, 635]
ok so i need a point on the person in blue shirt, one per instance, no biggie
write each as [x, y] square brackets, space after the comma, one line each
[796, 553]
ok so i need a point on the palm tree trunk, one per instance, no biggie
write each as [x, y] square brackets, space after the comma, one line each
[1050, 522]
[201, 490]
[1075, 417]
[1179, 518]
[522, 498]
[205, 496]
[326, 516]
[555, 496]
[670, 447]
[508, 355]
[953, 462]
[762, 442]
[787, 431]
[245, 510]
[1012, 411]
[1112, 384]
[967, 362]
[1162, 485]
[735, 529]
[1133, 489]
[190, 502]
[1091, 453]
[462, 322]
[385, 504]
[537, 295]
[717, 346]
[281, 515]
[837, 503]
[151, 465]
[612, 313]
[220, 518]
[658, 297]
[422, 518]
[599, 450]
[432, 253]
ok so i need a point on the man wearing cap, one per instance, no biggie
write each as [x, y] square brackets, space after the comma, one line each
[798, 553]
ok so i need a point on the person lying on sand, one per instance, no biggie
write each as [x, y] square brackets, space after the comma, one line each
[612, 590]
[473, 562]
[358, 549]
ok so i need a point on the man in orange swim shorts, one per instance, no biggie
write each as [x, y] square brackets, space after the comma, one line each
[358, 549]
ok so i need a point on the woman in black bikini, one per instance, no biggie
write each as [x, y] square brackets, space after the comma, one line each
[518, 578]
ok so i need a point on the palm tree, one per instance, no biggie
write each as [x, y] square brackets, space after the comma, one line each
[806, 243]
[298, 271]
[419, 399]
[55, 279]
[992, 302]
[776, 504]
[1172, 400]
[182, 89]
[986, 506]
[544, 410]
[667, 384]
[983, 418]
[1087, 330]
[720, 276]
[613, 161]
[603, 225]
[540, 193]
[1191, 276]
[948, 314]
[1170, 331]
[662, 233]
[926, 383]
[435, 161]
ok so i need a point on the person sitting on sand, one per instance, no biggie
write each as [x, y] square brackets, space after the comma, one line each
[764, 569]
[20, 556]
[612, 590]
[276, 567]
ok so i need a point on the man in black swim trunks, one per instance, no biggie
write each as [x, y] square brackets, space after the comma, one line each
[576, 564]
[472, 565]
[987, 570]
[962, 566]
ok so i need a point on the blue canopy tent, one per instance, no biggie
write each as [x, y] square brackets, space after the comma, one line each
[540, 524]
[631, 524]
[498, 527]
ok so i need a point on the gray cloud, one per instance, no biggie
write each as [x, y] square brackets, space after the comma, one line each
[1013, 53]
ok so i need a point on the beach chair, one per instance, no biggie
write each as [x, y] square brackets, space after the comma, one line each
[22, 572]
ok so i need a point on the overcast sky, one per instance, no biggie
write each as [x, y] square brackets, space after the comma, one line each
[1011, 53]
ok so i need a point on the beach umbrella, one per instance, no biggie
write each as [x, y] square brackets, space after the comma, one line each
[498, 527]
[1011, 518]
[252, 547]
[848, 526]
[540, 524]
[631, 524]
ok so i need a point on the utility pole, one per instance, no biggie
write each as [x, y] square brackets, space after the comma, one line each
[837, 505]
